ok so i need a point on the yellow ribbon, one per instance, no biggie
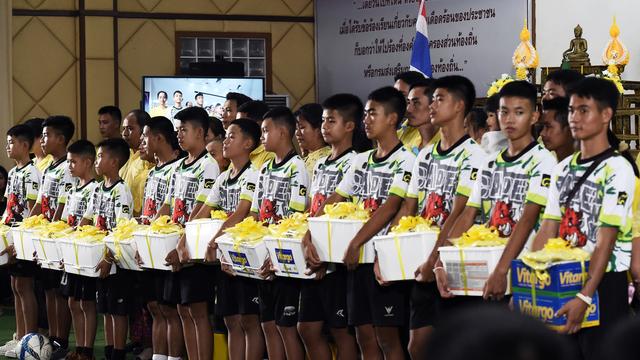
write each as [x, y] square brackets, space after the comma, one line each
[22, 240]
[346, 210]
[164, 225]
[146, 236]
[329, 239]
[43, 251]
[463, 272]
[197, 239]
[408, 224]
[75, 249]
[397, 243]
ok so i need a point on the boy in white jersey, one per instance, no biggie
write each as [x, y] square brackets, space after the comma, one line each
[377, 179]
[81, 290]
[112, 201]
[23, 183]
[589, 206]
[513, 184]
[281, 190]
[192, 287]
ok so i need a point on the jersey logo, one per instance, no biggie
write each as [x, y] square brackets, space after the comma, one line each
[570, 228]
[435, 209]
[622, 198]
[149, 209]
[208, 183]
[14, 209]
[125, 209]
[179, 212]
[251, 186]
[67, 187]
[545, 181]
[501, 219]
[406, 177]
[302, 191]
[316, 202]
[36, 186]
[268, 212]
[474, 174]
[46, 209]
[101, 222]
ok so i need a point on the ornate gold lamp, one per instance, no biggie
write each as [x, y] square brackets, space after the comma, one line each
[525, 57]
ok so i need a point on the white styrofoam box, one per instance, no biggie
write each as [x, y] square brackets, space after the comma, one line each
[81, 253]
[331, 237]
[22, 240]
[7, 240]
[400, 255]
[287, 257]
[86, 271]
[154, 248]
[246, 260]
[199, 233]
[126, 249]
[477, 262]
[47, 252]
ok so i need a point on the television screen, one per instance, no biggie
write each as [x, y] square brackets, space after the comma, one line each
[166, 95]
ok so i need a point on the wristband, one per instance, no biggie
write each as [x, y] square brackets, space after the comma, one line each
[586, 299]
[437, 268]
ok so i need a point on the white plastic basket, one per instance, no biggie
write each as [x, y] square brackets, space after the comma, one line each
[400, 255]
[6, 240]
[22, 240]
[47, 252]
[80, 253]
[124, 252]
[199, 233]
[331, 237]
[86, 271]
[287, 257]
[246, 260]
[154, 248]
[470, 266]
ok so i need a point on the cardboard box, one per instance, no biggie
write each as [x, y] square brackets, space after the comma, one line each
[331, 237]
[199, 233]
[563, 277]
[400, 255]
[470, 266]
[287, 257]
[245, 259]
[154, 248]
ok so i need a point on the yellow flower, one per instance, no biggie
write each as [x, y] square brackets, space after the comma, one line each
[480, 235]
[218, 215]
[247, 231]
[294, 226]
[413, 224]
[346, 210]
[164, 225]
[125, 229]
[88, 233]
[34, 222]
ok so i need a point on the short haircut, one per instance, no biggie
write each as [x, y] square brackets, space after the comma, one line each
[351, 109]
[113, 111]
[460, 87]
[493, 103]
[392, 100]
[216, 127]
[36, 125]
[83, 148]
[561, 107]
[603, 92]
[142, 117]
[22, 132]
[198, 94]
[62, 125]
[249, 128]
[117, 148]
[564, 78]
[409, 77]
[162, 92]
[177, 92]
[254, 109]
[521, 89]
[160, 125]
[427, 85]
[238, 98]
[282, 116]
[196, 116]
[311, 113]
[478, 119]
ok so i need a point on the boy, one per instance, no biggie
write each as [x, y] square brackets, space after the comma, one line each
[23, 183]
[177, 104]
[512, 191]
[408, 134]
[441, 181]
[493, 140]
[57, 181]
[281, 191]
[378, 179]
[81, 290]
[596, 215]
[41, 160]
[230, 107]
[254, 110]
[109, 120]
[556, 134]
[558, 82]
[325, 301]
[192, 182]
[418, 102]
[110, 202]
[135, 171]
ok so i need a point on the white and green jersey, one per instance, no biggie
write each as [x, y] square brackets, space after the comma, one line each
[109, 204]
[281, 189]
[507, 183]
[327, 174]
[78, 201]
[228, 191]
[440, 175]
[603, 200]
[156, 189]
[191, 183]
[56, 184]
[22, 186]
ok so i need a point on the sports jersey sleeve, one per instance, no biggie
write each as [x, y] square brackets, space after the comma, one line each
[413, 189]
[347, 185]
[299, 178]
[475, 197]
[468, 170]
[33, 184]
[402, 174]
[66, 186]
[552, 210]
[540, 179]
[248, 186]
[207, 180]
[124, 204]
[213, 199]
[618, 193]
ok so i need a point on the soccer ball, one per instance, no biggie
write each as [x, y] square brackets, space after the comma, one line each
[34, 346]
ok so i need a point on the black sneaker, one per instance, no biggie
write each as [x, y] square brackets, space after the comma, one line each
[59, 353]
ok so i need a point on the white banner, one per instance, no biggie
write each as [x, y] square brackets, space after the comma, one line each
[362, 44]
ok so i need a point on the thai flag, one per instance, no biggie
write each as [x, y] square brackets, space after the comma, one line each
[420, 58]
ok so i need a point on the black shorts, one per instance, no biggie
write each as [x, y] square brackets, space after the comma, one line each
[370, 303]
[236, 295]
[51, 279]
[151, 285]
[192, 284]
[425, 305]
[116, 293]
[79, 287]
[279, 301]
[325, 300]
[23, 268]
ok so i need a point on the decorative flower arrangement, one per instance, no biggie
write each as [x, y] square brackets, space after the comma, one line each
[497, 85]
[525, 57]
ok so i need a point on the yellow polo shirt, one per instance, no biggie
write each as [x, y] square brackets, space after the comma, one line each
[259, 156]
[44, 163]
[412, 139]
[135, 173]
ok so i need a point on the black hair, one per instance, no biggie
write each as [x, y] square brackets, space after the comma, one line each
[283, 116]
[62, 125]
[22, 132]
[238, 98]
[198, 94]
[36, 126]
[142, 117]
[392, 100]
[564, 78]
[478, 119]
[254, 109]
[493, 103]
[162, 92]
[249, 128]
[215, 125]
[311, 113]
[409, 77]
[113, 111]
[351, 109]
[460, 87]
[177, 92]
[160, 125]
[116, 147]
[427, 84]
[521, 89]
[84, 148]
[561, 107]
[195, 115]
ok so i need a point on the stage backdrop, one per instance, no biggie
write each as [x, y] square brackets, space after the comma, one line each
[362, 44]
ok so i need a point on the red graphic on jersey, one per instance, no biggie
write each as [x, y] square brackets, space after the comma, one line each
[71, 220]
[14, 209]
[101, 222]
[150, 209]
[317, 200]
[179, 212]
[501, 219]
[570, 228]
[372, 204]
[435, 210]
[268, 212]
[46, 209]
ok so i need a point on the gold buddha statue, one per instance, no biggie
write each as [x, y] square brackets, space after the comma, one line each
[577, 52]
